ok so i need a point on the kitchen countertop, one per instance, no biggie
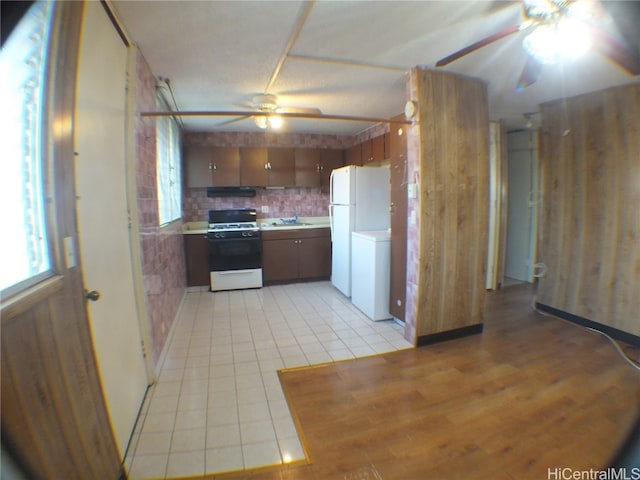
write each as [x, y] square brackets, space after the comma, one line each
[302, 223]
[265, 224]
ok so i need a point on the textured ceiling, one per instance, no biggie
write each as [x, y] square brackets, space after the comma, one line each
[350, 58]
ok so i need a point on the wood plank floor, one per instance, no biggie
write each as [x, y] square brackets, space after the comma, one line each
[529, 394]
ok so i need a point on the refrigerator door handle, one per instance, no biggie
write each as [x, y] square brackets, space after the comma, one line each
[331, 220]
[331, 189]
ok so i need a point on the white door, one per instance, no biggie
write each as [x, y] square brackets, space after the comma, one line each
[104, 221]
[521, 216]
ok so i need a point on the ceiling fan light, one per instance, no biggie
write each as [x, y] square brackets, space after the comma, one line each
[573, 38]
[260, 121]
[542, 44]
[275, 122]
[566, 39]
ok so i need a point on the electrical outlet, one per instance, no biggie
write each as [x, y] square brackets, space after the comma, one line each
[264, 208]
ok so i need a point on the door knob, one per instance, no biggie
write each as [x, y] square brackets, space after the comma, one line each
[92, 295]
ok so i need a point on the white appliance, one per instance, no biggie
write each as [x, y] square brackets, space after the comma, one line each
[371, 273]
[359, 201]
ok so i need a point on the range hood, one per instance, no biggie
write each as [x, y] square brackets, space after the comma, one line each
[231, 192]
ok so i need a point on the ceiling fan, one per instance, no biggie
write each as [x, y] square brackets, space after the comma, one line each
[558, 30]
[267, 113]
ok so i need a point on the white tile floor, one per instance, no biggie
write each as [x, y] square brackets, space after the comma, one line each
[218, 405]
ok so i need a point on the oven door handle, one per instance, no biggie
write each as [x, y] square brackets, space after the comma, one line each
[241, 239]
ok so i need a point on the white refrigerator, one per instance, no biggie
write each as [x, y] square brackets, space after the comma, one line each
[359, 201]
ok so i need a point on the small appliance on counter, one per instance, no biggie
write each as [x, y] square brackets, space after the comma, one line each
[235, 249]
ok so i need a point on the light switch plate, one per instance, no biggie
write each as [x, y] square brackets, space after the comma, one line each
[412, 190]
[264, 209]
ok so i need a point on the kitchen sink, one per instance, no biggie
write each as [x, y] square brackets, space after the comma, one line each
[297, 224]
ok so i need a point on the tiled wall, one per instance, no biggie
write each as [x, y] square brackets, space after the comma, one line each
[163, 263]
[267, 139]
[304, 202]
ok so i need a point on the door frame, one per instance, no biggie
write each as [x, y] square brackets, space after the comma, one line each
[49, 320]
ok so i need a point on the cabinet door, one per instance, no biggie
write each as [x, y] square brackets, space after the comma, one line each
[198, 166]
[308, 162]
[281, 172]
[329, 159]
[225, 171]
[279, 260]
[398, 221]
[354, 155]
[367, 152]
[315, 257]
[387, 145]
[197, 259]
[377, 149]
[253, 171]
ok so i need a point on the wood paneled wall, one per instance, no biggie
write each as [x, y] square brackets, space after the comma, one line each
[454, 210]
[590, 216]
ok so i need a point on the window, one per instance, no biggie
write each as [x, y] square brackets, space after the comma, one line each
[168, 167]
[24, 251]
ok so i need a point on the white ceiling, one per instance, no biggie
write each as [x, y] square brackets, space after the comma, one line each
[350, 57]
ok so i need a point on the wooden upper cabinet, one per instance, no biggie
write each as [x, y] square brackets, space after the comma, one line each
[354, 155]
[374, 150]
[253, 166]
[314, 166]
[281, 167]
[330, 159]
[307, 167]
[259, 166]
[196, 162]
[212, 166]
[387, 145]
[226, 167]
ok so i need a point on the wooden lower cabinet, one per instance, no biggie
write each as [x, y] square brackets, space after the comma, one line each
[197, 258]
[295, 255]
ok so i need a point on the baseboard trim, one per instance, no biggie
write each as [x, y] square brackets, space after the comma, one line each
[585, 322]
[449, 335]
[165, 348]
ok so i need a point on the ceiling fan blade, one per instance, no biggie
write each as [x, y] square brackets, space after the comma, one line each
[233, 120]
[530, 73]
[477, 45]
[312, 110]
[611, 48]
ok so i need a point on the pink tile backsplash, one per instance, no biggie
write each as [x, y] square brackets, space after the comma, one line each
[304, 202]
[266, 139]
